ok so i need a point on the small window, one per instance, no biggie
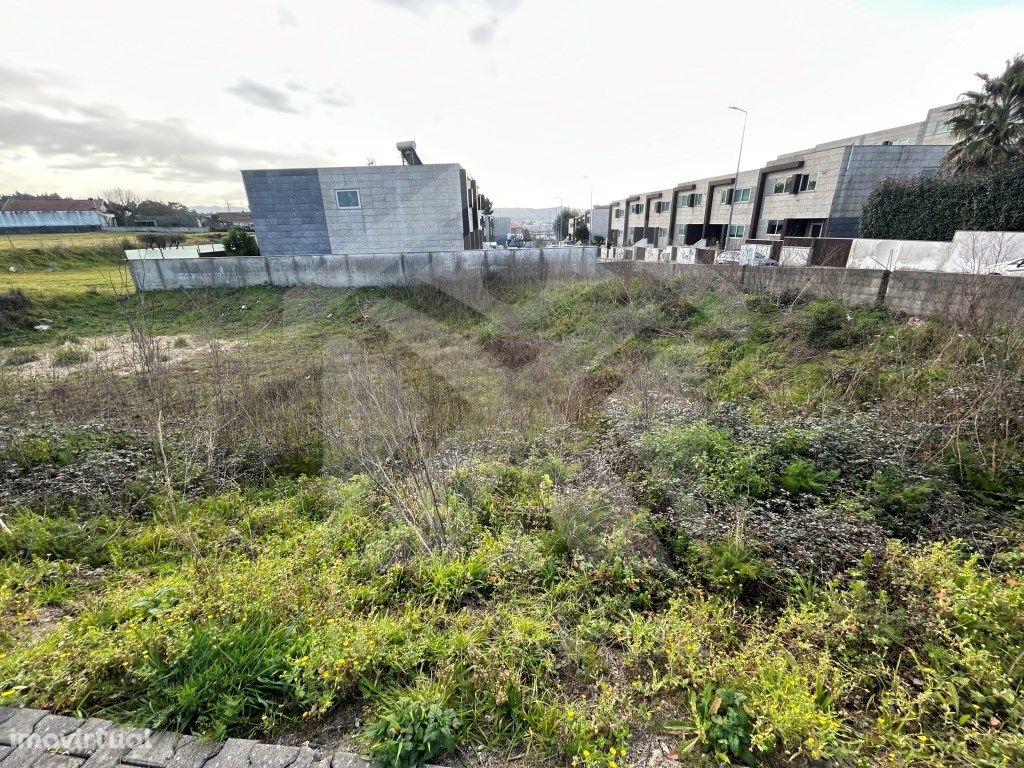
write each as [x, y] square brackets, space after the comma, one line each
[742, 195]
[681, 229]
[896, 142]
[809, 182]
[774, 227]
[737, 230]
[347, 198]
[698, 199]
[725, 197]
[662, 232]
[662, 207]
[943, 127]
[783, 184]
[637, 208]
[619, 213]
[684, 201]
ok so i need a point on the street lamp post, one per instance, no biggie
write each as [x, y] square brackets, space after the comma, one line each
[736, 181]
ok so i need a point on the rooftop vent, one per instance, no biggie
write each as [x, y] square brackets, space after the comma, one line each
[408, 150]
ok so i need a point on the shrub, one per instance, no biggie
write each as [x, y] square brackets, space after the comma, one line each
[828, 325]
[57, 538]
[801, 476]
[720, 465]
[160, 240]
[413, 730]
[68, 355]
[726, 566]
[724, 728]
[22, 356]
[935, 207]
[240, 243]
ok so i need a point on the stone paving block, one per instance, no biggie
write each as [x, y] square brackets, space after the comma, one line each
[126, 738]
[49, 731]
[50, 760]
[86, 740]
[234, 754]
[105, 757]
[195, 753]
[22, 757]
[157, 751]
[19, 725]
[272, 756]
[350, 760]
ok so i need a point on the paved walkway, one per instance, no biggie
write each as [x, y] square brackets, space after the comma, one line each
[33, 738]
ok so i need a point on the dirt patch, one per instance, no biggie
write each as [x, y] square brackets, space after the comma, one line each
[117, 354]
[514, 351]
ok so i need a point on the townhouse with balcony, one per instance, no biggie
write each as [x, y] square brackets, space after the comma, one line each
[816, 192]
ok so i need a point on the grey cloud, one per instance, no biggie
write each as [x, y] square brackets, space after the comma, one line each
[332, 98]
[483, 33]
[421, 6]
[166, 149]
[264, 96]
[286, 18]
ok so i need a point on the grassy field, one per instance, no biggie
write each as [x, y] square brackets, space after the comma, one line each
[524, 524]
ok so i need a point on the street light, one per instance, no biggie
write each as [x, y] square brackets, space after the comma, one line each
[736, 181]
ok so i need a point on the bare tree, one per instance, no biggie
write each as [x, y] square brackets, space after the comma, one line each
[376, 420]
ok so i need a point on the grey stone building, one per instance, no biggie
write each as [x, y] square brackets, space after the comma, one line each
[815, 192]
[364, 209]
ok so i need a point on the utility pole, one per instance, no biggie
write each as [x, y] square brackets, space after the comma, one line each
[736, 181]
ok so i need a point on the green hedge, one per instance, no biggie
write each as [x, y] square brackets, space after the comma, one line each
[933, 208]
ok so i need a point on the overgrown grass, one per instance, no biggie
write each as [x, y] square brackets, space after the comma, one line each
[758, 530]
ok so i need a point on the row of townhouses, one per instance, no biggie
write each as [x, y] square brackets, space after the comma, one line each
[817, 192]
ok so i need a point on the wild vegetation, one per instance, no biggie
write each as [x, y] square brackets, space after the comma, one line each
[521, 524]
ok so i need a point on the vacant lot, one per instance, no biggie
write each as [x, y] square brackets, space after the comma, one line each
[516, 524]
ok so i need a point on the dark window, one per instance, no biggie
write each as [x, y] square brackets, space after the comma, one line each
[347, 198]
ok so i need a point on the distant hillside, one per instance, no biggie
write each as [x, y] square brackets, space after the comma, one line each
[527, 214]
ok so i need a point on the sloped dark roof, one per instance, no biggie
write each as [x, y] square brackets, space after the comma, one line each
[241, 217]
[46, 204]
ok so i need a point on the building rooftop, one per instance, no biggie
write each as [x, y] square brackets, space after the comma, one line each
[48, 204]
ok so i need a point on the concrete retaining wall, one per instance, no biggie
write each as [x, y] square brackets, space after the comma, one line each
[970, 252]
[913, 292]
[180, 252]
[364, 270]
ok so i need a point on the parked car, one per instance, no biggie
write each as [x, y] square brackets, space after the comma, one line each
[1013, 268]
[757, 260]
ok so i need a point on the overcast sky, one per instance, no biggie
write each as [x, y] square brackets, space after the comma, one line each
[541, 100]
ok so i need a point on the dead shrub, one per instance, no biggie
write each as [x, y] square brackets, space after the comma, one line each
[514, 350]
[15, 311]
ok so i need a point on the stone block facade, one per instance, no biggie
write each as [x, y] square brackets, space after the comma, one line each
[822, 194]
[363, 209]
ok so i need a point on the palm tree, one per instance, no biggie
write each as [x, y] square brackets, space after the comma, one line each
[988, 125]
